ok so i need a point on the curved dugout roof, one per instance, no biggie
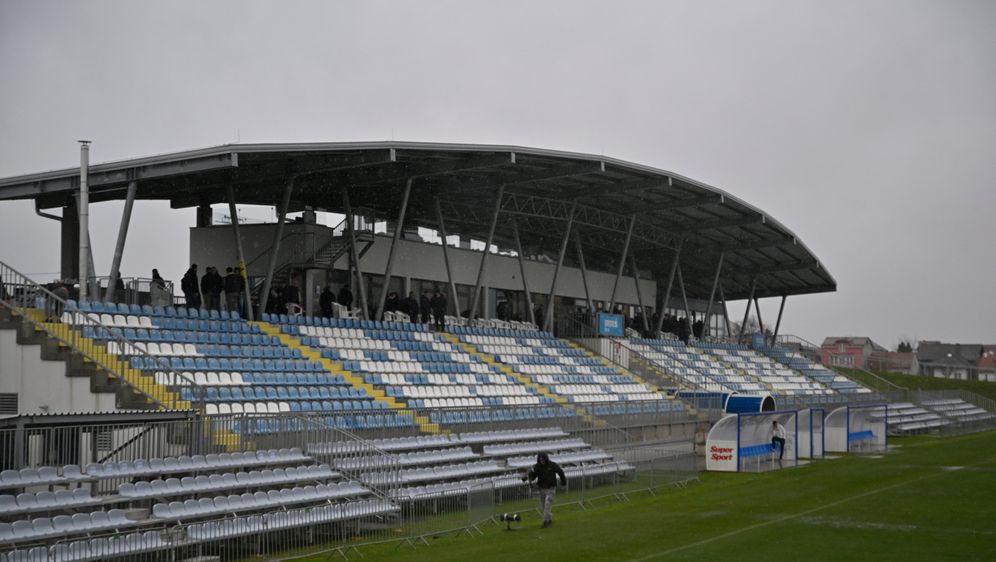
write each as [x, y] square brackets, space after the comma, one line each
[541, 187]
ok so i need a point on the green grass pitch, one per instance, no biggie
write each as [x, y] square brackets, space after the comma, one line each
[927, 499]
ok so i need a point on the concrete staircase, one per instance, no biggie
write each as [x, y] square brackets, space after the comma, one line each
[107, 373]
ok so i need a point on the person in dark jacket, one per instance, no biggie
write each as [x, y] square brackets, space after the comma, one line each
[191, 288]
[683, 330]
[233, 288]
[438, 306]
[345, 297]
[546, 472]
[292, 298]
[411, 307]
[391, 303]
[211, 286]
[325, 301]
[275, 302]
[425, 306]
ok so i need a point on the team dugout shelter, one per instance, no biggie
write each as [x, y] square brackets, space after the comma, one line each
[565, 231]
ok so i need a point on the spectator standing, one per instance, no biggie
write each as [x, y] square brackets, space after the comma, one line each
[697, 327]
[325, 301]
[501, 311]
[157, 290]
[438, 306]
[346, 296]
[119, 289]
[233, 289]
[292, 299]
[391, 304]
[425, 306]
[211, 286]
[275, 302]
[191, 288]
[683, 331]
[56, 306]
[411, 307]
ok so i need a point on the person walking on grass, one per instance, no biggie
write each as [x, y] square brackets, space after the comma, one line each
[546, 472]
[778, 437]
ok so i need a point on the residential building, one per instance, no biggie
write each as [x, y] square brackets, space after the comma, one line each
[851, 352]
[949, 360]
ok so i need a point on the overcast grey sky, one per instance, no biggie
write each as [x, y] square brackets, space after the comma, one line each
[867, 127]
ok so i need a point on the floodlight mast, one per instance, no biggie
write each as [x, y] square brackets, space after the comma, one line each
[84, 216]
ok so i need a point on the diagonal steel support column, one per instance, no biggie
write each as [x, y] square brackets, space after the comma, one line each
[548, 321]
[712, 295]
[112, 286]
[778, 323]
[639, 293]
[94, 283]
[522, 272]
[398, 229]
[750, 297]
[275, 251]
[455, 298]
[584, 273]
[726, 312]
[670, 284]
[684, 299]
[757, 309]
[622, 263]
[487, 250]
[240, 250]
[361, 287]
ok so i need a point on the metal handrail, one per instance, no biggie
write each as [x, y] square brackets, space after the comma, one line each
[51, 308]
[683, 364]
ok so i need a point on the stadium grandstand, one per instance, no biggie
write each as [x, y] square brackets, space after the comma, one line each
[580, 309]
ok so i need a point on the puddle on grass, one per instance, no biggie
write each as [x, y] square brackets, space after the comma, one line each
[952, 468]
[841, 523]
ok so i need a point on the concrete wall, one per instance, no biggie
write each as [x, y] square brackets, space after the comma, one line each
[420, 260]
[215, 245]
[42, 385]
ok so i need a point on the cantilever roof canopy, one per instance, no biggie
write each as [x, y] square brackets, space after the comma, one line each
[541, 187]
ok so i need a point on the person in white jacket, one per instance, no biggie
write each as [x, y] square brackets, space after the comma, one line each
[778, 436]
